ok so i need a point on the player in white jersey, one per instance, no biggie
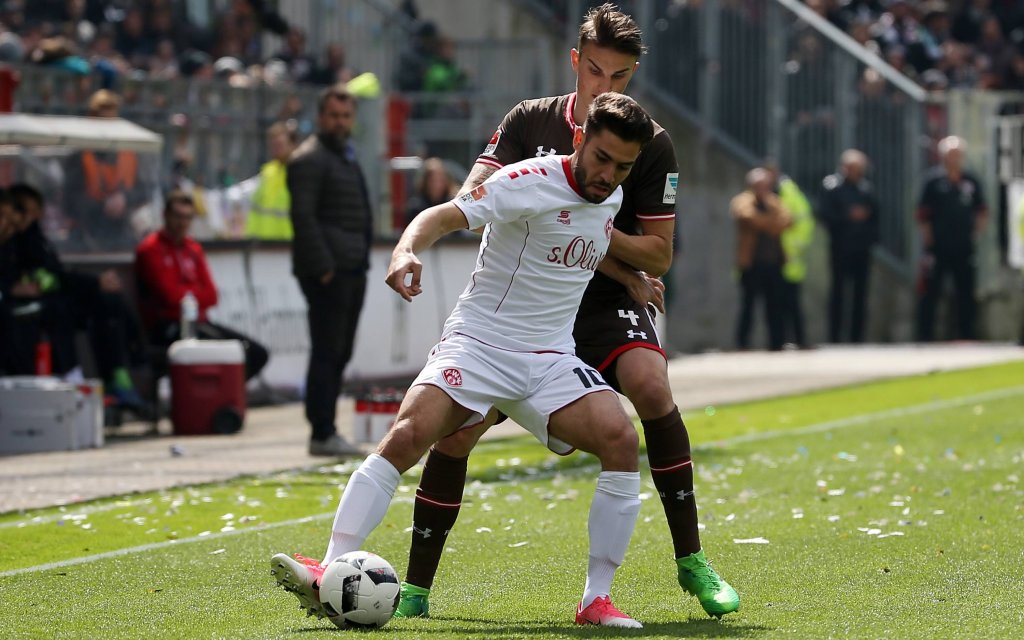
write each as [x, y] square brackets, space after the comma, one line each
[508, 344]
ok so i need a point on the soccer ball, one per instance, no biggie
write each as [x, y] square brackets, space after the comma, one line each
[359, 589]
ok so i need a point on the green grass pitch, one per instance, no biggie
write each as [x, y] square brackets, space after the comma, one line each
[893, 509]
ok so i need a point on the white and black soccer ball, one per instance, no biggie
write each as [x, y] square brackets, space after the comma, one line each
[359, 589]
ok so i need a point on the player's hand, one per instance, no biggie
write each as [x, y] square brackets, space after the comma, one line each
[647, 290]
[405, 265]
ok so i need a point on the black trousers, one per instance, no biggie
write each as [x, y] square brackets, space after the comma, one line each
[963, 271]
[256, 355]
[765, 282]
[333, 313]
[850, 273]
[792, 314]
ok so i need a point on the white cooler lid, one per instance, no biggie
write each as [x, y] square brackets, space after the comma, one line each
[44, 383]
[194, 351]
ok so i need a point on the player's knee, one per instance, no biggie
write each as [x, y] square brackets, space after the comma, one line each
[620, 447]
[405, 443]
[650, 395]
[459, 444]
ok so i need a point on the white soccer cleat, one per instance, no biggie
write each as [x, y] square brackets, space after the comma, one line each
[300, 576]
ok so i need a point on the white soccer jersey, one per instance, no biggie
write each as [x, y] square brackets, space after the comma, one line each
[540, 248]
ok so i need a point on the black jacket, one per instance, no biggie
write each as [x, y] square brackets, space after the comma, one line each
[330, 212]
[848, 236]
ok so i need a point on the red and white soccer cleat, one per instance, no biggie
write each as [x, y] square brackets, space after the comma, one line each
[300, 576]
[601, 611]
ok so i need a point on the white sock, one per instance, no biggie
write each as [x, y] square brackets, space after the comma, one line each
[612, 518]
[362, 506]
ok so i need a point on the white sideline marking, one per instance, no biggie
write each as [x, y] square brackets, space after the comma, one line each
[160, 545]
[996, 394]
[841, 423]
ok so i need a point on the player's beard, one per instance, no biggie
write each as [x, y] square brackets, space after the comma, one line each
[581, 180]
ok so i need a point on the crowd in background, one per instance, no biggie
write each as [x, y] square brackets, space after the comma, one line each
[971, 44]
[161, 39]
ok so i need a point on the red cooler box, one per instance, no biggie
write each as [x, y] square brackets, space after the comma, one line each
[207, 386]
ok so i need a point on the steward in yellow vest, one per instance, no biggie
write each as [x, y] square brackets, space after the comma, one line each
[268, 214]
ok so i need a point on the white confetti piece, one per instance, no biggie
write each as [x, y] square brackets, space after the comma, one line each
[836, 492]
[750, 540]
[833, 518]
[518, 544]
[483, 530]
[217, 552]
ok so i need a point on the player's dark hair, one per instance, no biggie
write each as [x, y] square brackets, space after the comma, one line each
[337, 91]
[621, 115]
[607, 27]
[22, 190]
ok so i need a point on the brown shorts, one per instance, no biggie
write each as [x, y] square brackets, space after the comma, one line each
[608, 327]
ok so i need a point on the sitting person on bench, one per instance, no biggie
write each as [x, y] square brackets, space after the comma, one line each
[32, 311]
[96, 303]
[168, 265]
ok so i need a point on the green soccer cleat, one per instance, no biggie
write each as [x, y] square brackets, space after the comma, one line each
[414, 602]
[698, 578]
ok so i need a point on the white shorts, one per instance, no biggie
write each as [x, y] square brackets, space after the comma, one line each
[527, 387]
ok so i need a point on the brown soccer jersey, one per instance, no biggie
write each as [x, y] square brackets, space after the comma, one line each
[545, 126]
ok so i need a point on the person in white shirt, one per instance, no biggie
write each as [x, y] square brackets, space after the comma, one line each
[508, 345]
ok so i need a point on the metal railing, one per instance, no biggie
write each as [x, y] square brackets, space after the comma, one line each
[773, 79]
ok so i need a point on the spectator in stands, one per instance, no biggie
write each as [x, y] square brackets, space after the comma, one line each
[951, 214]
[301, 65]
[164, 64]
[415, 59]
[334, 68]
[131, 41]
[760, 220]
[932, 34]
[103, 188]
[96, 302]
[966, 26]
[433, 186]
[849, 209]
[268, 216]
[169, 264]
[332, 221]
[795, 241]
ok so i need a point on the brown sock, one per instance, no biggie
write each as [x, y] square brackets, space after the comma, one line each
[668, 452]
[438, 499]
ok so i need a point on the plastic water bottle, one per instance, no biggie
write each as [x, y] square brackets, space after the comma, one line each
[189, 315]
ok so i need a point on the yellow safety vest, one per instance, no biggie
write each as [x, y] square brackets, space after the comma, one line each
[268, 216]
[796, 238]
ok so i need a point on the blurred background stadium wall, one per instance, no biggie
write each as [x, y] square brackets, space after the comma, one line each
[734, 81]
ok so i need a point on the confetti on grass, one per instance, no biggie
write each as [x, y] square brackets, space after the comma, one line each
[750, 540]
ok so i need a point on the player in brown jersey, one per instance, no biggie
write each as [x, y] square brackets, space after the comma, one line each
[614, 329]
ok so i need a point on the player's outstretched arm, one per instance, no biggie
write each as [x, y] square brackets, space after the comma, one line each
[421, 234]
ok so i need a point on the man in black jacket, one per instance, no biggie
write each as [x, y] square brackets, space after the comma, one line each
[331, 218]
[849, 210]
[951, 215]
